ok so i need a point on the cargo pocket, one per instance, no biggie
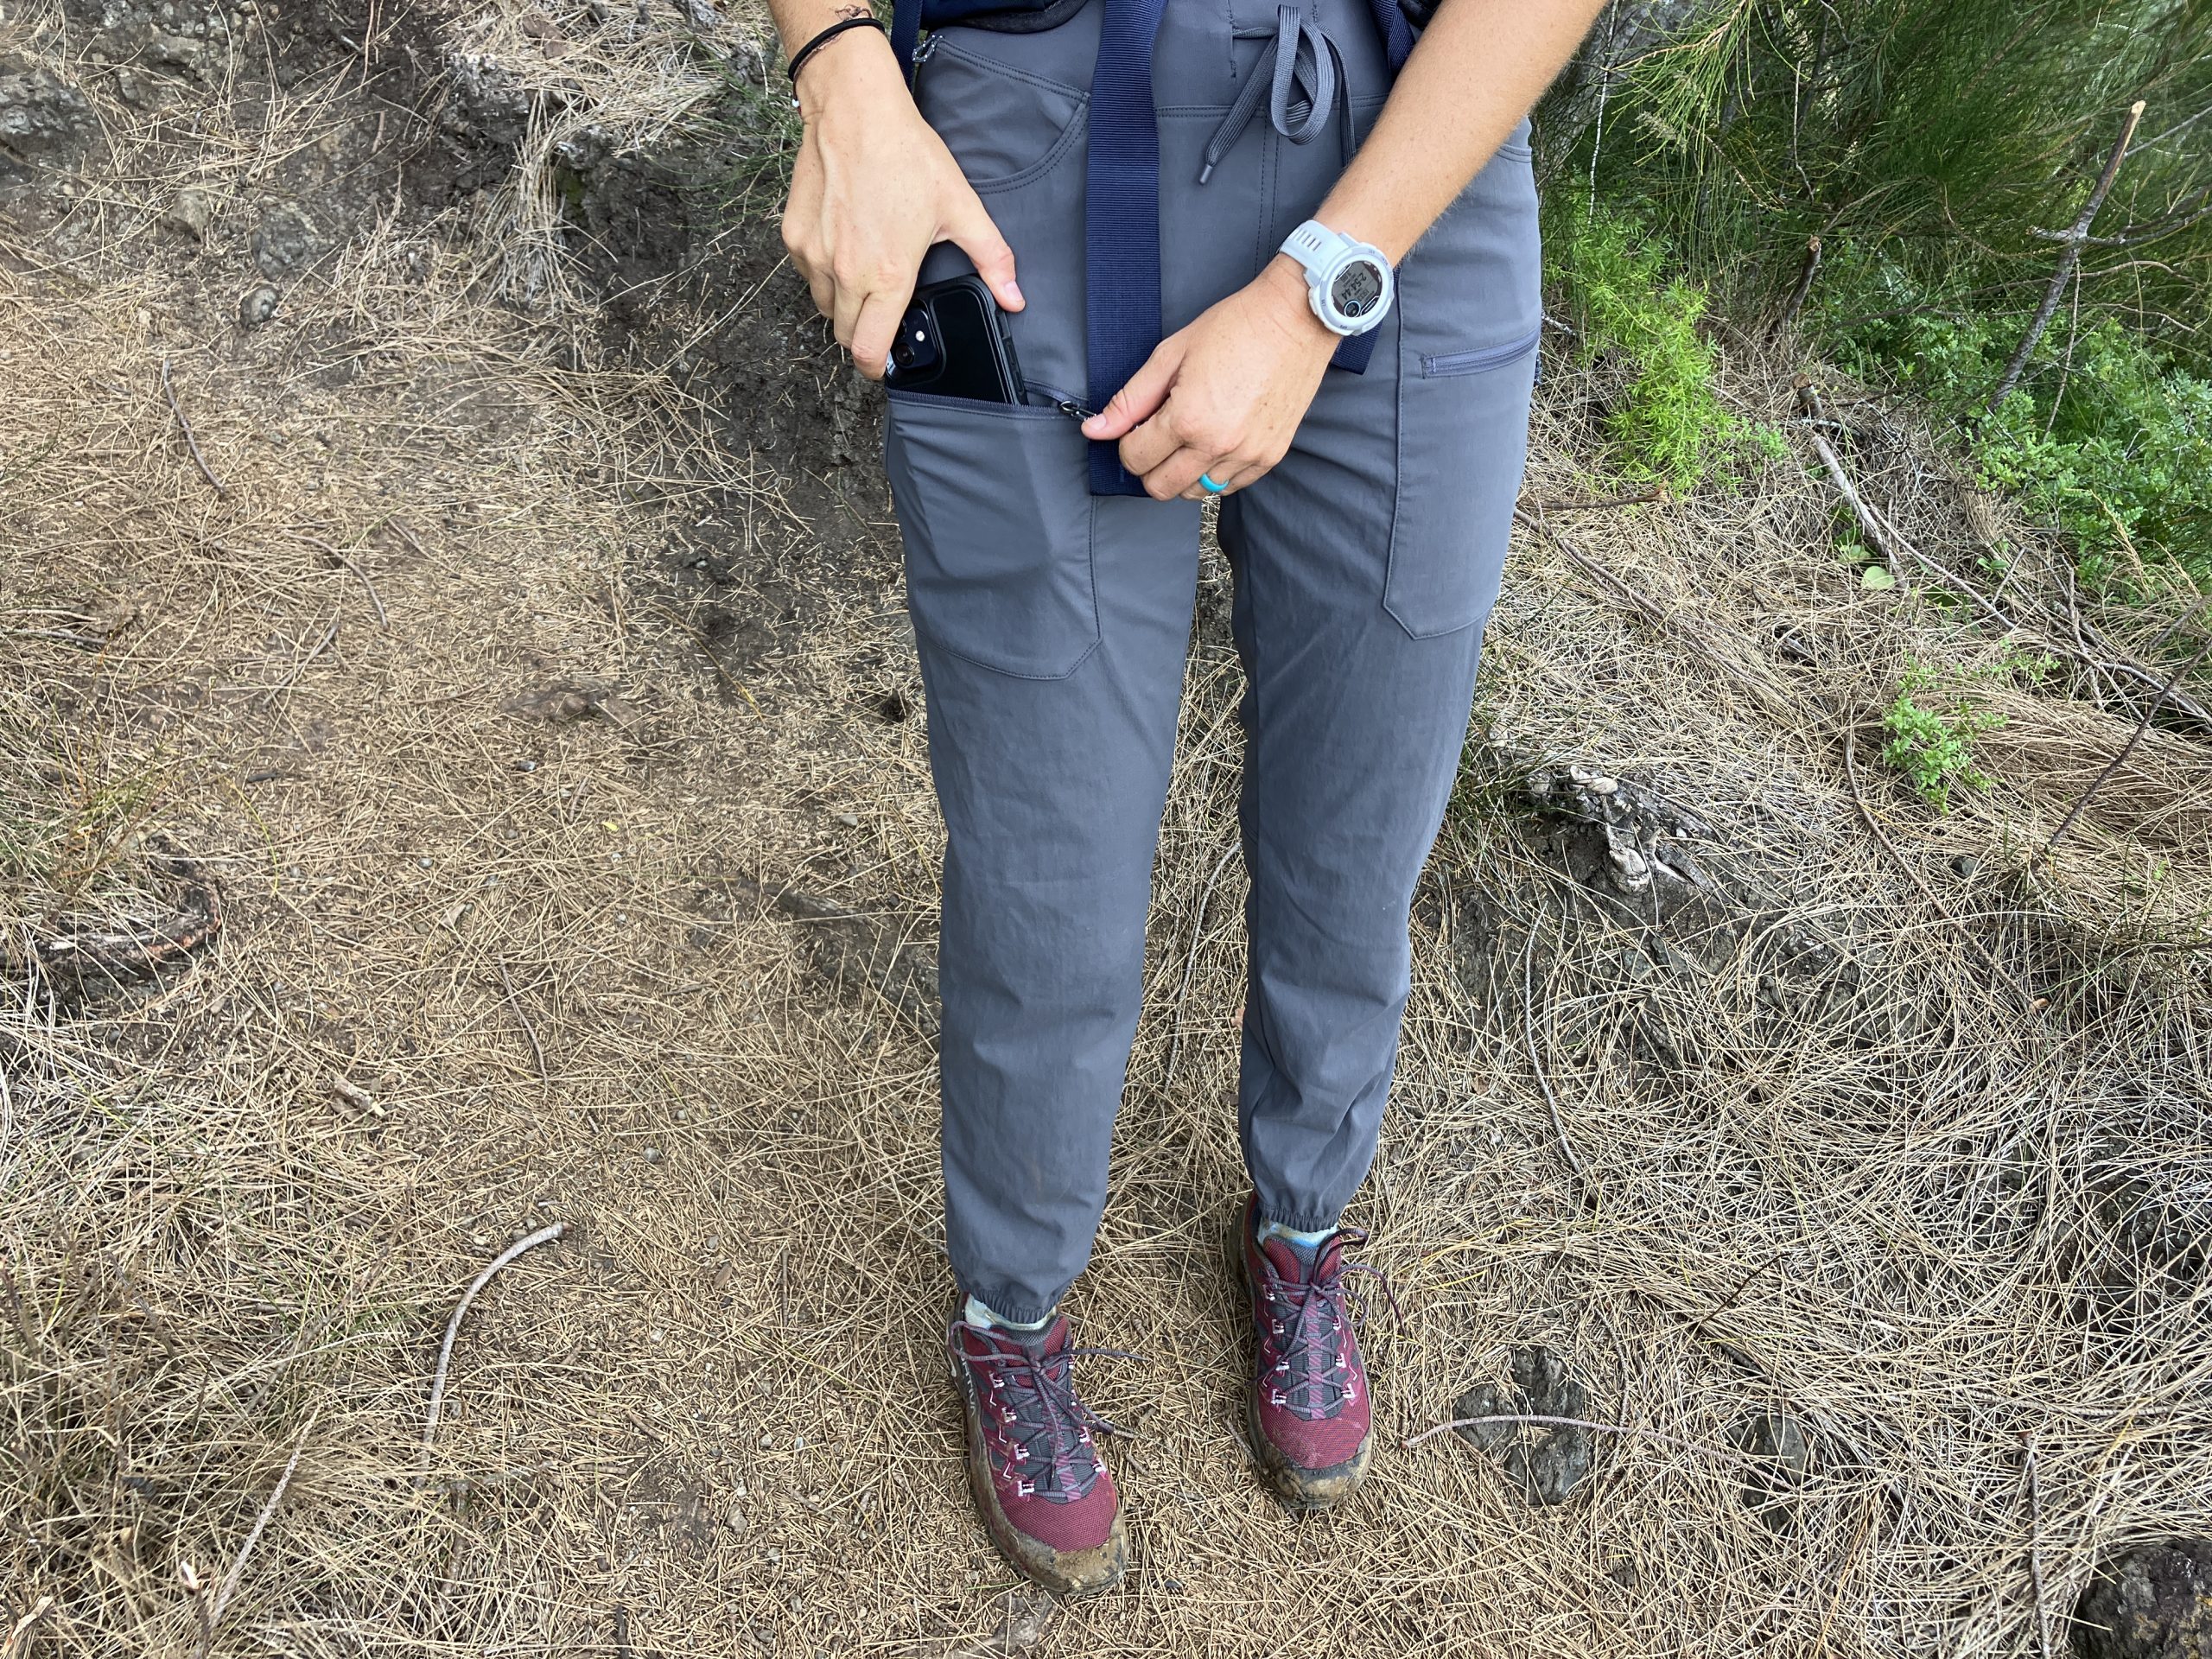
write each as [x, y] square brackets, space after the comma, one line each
[994, 504]
[1471, 315]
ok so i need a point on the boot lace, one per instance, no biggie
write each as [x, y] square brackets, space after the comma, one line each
[1304, 1328]
[1035, 1426]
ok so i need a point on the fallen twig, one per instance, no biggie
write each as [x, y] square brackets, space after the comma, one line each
[1191, 966]
[15, 1642]
[536, 1048]
[2142, 725]
[543, 1236]
[1656, 493]
[1533, 1421]
[375, 599]
[1536, 1059]
[269, 696]
[1874, 825]
[191, 443]
[2073, 238]
[2035, 1535]
[238, 1567]
[1769, 697]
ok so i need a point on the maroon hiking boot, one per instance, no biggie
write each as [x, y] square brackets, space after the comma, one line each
[1308, 1413]
[1032, 1463]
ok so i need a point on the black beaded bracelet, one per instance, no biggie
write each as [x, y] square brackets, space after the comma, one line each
[799, 57]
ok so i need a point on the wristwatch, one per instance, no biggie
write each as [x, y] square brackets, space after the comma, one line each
[1347, 282]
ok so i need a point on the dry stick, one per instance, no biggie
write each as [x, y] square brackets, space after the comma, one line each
[1888, 541]
[238, 1567]
[536, 1048]
[1656, 493]
[1413, 1440]
[382, 621]
[2034, 1540]
[1797, 294]
[190, 442]
[543, 1236]
[2074, 239]
[15, 1642]
[2128, 748]
[1536, 1061]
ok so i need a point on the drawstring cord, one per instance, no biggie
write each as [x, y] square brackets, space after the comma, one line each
[1303, 90]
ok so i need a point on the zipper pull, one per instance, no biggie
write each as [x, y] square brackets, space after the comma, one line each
[1074, 407]
[927, 50]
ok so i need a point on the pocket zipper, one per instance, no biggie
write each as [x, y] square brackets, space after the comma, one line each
[1434, 365]
[1074, 407]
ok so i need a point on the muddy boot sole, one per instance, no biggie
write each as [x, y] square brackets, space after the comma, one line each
[1070, 1573]
[1309, 1490]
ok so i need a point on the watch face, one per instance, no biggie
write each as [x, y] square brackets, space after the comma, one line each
[1357, 289]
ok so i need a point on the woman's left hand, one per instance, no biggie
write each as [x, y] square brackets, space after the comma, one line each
[1224, 396]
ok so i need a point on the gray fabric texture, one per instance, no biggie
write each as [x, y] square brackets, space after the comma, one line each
[1053, 628]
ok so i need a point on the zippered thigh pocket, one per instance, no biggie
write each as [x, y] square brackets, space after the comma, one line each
[1471, 317]
[995, 506]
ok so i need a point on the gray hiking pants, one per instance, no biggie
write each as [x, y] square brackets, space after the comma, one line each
[1054, 626]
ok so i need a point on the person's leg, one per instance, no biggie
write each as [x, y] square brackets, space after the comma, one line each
[1365, 564]
[1052, 627]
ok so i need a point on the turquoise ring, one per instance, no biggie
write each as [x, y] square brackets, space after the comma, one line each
[1206, 483]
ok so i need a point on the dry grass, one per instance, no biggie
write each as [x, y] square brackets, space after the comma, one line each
[482, 972]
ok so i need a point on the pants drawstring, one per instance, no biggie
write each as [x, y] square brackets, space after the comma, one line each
[1303, 91]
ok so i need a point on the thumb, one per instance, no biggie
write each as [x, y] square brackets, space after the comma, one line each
[1136, 402]
[968, 228]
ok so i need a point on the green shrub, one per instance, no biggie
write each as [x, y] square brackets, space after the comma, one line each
[2107, 440]
[1672, 428]
[1931, 743]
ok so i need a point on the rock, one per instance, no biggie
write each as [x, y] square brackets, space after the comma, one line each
[2153, 1601]
[43, 119]
[1770, 1485]
[192, 213]
[1545, 1463]
[257, 305]
[285, 240]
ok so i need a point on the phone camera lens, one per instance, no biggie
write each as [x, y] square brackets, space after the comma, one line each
[902, 353]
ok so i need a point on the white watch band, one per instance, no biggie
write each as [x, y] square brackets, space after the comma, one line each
[1323, 253]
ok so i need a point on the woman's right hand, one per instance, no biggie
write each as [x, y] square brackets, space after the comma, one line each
[873, 189]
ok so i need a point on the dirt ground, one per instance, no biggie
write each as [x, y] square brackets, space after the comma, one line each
[438, 545]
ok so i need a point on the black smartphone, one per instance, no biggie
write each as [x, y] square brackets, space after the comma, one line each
[953, 342]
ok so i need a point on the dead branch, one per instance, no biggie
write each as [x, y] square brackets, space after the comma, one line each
[2142, 725]
[238, 1567]
[375, 599]
[2069, 257]
[1537, 1421]
[1536, 1057]
[2035, 1544]
[543, 1236]
[1798, 291]
[536, 1048]
[191, 441]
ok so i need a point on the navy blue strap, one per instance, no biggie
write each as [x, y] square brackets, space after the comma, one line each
[1397, 32]
[906, 31]
[1121, 228]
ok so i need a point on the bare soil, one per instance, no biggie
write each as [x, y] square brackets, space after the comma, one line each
[504, 641]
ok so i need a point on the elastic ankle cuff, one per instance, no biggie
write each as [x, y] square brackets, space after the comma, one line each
[1302, 1222]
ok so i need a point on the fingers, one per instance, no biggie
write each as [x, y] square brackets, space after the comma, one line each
[1137, 402]
[874, 329]
[968, 226]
